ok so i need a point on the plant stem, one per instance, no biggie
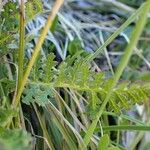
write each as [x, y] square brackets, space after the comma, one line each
[124, 61]
[21, 45]
[38, 46]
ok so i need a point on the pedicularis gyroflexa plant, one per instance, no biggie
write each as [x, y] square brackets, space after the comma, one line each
[54, 91]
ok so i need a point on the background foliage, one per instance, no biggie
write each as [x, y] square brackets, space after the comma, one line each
[64, 92]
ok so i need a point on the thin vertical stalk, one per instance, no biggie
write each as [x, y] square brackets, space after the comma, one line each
[21, 44]
[124, 61]
[38, 46]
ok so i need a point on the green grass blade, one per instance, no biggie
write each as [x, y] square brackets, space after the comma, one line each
[46, 134]
[126, 117]
[128, 52]
[60, 124]
[126, 127]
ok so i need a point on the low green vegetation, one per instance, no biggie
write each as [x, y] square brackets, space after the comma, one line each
[69, 82]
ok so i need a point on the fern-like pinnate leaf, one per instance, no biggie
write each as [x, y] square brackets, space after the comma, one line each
[8, 28]
[48, 68]
[75, 74]
[125, 98]
[37, 93]
[33, 8]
